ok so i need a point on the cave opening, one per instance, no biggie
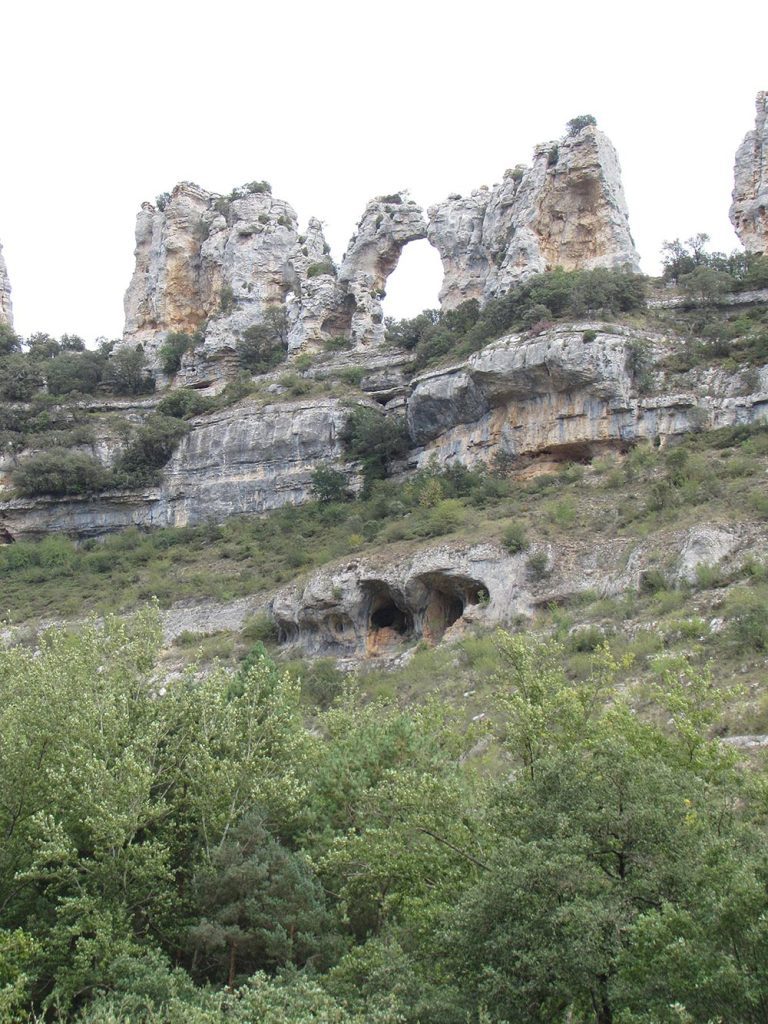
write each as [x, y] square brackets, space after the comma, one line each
[390, 623]
[448, 598]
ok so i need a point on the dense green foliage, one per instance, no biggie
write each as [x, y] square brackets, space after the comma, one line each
[374, 439]
[66, 367]
[157, 845]
[705, 276]
[264, 346]
[541, 299]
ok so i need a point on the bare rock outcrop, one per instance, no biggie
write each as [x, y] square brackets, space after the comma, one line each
[749, 210]
[247, 459]
[567, 392]
[6, 309]
[566, 210]
[386, 227]
[214, 266]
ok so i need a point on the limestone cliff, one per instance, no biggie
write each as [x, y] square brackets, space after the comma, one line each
[749, 210]
[6, 309]
[247, 459]
[213, 266]
[567, 392]
[566, 210]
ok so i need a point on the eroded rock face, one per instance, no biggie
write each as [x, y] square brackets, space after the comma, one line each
[386, 227]
[246, 459]
[566, 210]
[6, 309]
[215, 267]
[366, 608]
[565, 392]
[749, 210]
[375, 607]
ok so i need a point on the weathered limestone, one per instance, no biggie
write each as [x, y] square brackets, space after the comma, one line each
[6, 309]
[565, 392]
[214, 267]
[566, 210]
[246, 459]
[749, 210]
[386, 227]
[380, 607]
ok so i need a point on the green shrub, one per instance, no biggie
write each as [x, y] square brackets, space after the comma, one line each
[70, 372]
[514, 538]
[264, 346]
[151, 448]
[538, 565]
[589, 335]
[60, 473]
[374, 439]
[183, 403]
[126, 373]
[260, 629]
[352, 375]
[329, 484]
[318, 269]
[173, 348]
[748, 613]
[338, 343]
[587, 639]
[576, 124]
[20, 378]
[652, 581]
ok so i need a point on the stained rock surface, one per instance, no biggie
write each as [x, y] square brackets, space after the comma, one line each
[566, 210]
[216, 267]
[6, 309]
[749, 210]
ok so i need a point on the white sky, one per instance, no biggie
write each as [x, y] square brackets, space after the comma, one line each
[103, 105]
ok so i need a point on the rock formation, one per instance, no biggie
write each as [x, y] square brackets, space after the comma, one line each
[386, 227]
[749, 210]
[566, 210]
[246, 459]
[216, 267]
[567, 392]
[212, 266]
[6, 309]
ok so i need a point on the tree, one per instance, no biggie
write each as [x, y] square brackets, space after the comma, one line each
[126, 372]
[576, 124]
[374, 439]
[173, 348]
[329, 484]
[263, 346]
[261, 905]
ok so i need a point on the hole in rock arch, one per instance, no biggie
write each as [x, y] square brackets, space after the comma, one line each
[414, 284]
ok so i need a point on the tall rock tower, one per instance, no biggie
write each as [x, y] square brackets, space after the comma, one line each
[749, 210]
[6, 309]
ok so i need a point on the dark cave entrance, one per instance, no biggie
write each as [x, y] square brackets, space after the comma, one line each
[389, 623]
[447, 598]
